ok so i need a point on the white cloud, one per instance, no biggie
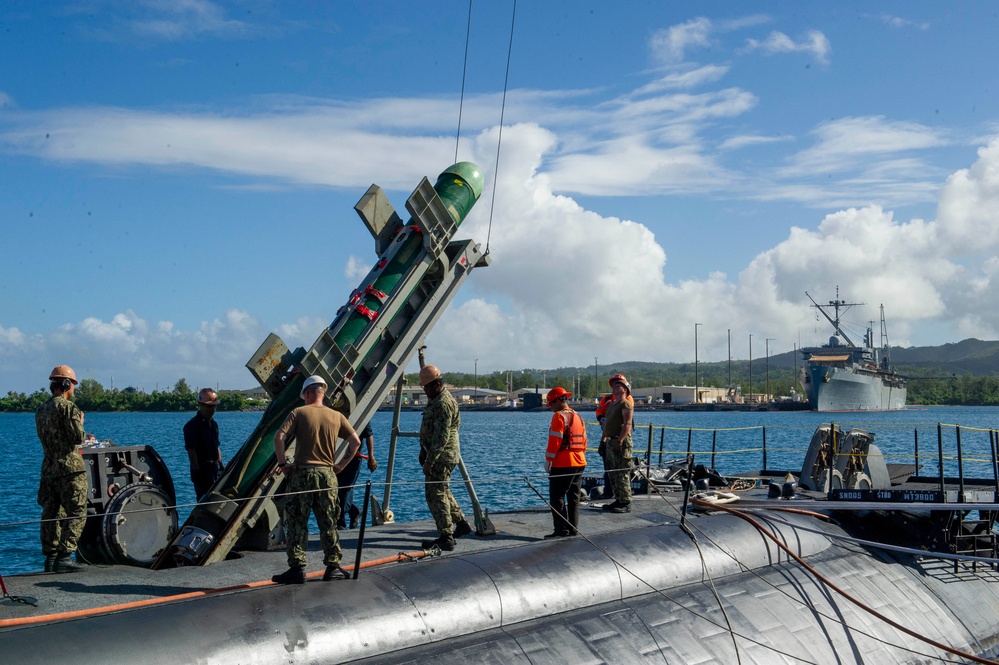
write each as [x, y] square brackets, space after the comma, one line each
[567, 283]
[170, 21]
[747, 140]
[852, 143]
[598, 282]
[899, 22]
[670, 45]
[683, 80]
[814, 42]
[11, 339]
[356, 268]
[138, 352]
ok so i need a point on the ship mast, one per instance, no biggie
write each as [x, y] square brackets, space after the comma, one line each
[836, 305]
[885, 353]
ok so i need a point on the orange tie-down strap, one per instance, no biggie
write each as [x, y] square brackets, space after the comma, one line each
[93, 611]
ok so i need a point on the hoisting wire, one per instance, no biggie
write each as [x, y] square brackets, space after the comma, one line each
[464, 73]
[499, 140]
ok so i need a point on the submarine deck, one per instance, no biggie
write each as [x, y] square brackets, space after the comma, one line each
[110, 586]
[99, 588]
[526, 599]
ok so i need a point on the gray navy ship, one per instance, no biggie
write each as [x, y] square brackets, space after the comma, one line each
[842, 376]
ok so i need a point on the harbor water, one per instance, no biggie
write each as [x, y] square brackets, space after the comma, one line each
[504, 453]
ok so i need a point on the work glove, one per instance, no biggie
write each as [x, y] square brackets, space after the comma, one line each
[372, 464]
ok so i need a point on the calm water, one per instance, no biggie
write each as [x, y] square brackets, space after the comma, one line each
[501, 450]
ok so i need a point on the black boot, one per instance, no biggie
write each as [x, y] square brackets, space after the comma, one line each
[445, 543]
[294, 575]
[462, 528]
[49, 562]
[335, 572]
[611, 506]
[64, 564]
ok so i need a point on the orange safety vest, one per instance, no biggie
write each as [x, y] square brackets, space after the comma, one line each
[605, 401]
[566, 439]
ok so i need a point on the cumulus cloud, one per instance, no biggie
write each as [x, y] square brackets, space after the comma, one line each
[567, 283]
[814, 42]
[131, 350]
[356, 268]
[565, 280]
[598, 282]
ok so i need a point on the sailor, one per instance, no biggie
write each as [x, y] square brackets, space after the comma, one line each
[62, 490]
[439, 454]
[347, 478]
[201, 439]
[601, 414]
[311, 483]
[617, 439]
[565, 461]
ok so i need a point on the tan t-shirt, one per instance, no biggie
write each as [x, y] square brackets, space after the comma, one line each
[615, 416]
[315, 430]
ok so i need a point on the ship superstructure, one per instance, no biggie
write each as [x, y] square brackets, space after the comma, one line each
[842, 376]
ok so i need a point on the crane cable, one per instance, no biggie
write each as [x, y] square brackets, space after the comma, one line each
[464, 73]
[461, 104]
[499, 140]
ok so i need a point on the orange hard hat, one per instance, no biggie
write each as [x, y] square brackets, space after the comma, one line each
[556, 393]
[63, 372]
[208, 396]
[619, 378]
[429, 374]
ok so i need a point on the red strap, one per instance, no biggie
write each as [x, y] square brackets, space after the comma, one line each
[369, 314]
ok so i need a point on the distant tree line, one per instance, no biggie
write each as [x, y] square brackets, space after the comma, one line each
[92, 396]
[954, 390]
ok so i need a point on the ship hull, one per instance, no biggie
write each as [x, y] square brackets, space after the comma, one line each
[846, 389]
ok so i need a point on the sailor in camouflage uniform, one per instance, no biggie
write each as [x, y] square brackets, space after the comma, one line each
[62, 491]
[439, 454]
[311, 483]
[617, 438]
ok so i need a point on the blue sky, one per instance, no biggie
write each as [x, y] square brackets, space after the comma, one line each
[179, 177]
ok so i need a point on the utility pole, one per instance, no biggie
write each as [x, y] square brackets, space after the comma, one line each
[730, 358]
[596, 381]
[769, 339]
[795, 355]
[475, 390]
[697, 398]
[750, 365]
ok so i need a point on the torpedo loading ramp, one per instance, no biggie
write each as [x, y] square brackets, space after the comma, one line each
[361, 355]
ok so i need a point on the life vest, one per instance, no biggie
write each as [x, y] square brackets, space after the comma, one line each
[567, 439]
[574, 434]
[605, 401]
